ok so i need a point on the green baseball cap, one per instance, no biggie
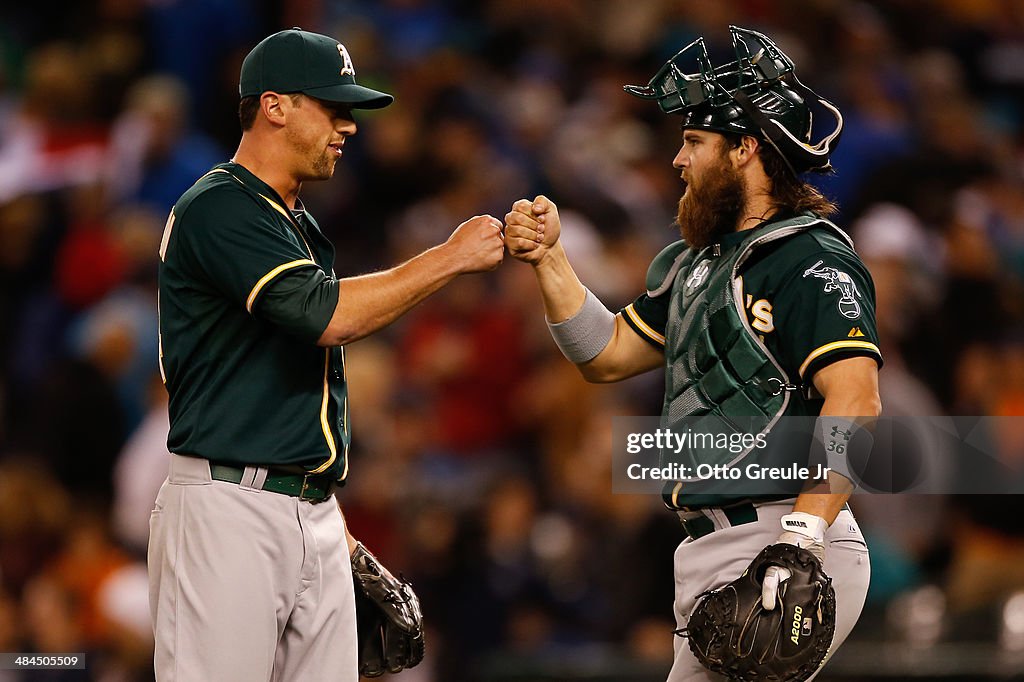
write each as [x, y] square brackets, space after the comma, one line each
[310, 63]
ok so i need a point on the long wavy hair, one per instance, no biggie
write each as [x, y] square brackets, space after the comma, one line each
[789, 192]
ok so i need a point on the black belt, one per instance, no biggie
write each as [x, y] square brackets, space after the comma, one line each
[738, 514]
[311, 487]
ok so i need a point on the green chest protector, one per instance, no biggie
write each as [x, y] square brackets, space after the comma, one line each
[716, 365]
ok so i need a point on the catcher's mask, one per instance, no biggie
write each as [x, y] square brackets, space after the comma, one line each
[758, 94]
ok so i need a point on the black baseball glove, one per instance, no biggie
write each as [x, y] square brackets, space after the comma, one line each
[731, 632]
[389, 621]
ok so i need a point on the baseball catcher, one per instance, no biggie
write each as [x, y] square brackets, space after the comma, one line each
[389, 620]
[763, 311]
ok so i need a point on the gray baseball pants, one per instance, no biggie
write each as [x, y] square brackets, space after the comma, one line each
[247, 585]
[720, 557]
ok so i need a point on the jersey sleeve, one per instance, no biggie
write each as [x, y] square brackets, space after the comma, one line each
[826, 312]
[301, 300]
[647, 315]
[252, 259]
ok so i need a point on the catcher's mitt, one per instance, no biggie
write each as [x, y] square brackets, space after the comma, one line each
[389, 621]
[732, 634]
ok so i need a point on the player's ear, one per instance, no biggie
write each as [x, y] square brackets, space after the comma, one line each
[273, 108]
[746, 149]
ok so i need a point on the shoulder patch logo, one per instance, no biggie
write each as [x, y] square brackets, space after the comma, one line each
[348, 68]
[837, 280]
[697, 275]
[855, 333]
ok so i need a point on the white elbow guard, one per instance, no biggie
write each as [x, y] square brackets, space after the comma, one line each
[584, 335]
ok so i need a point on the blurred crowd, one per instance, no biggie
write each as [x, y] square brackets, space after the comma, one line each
[481, 461]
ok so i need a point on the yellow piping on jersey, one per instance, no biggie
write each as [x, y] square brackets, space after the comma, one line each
[644, 327]
[166, 238]
[323, 421]
[160, 342]
[160, 356]
[344, 409]
[271, 275]
[344, 474]
[291, 221]
[818, 352]
[675, 494]
[278, 207]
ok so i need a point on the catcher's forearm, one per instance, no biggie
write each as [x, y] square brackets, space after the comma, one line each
[823, 504]
[826, 498]
[560, 288]
[850, 388]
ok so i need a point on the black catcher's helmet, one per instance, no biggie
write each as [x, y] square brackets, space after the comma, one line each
[758, 94]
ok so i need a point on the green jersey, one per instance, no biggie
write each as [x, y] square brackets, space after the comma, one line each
[247, 288]
[808, 297]
[810, 306]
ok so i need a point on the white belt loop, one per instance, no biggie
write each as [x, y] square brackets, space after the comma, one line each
[253, 478]
[718, 517]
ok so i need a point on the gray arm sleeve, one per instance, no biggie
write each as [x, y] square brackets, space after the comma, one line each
[584, 335]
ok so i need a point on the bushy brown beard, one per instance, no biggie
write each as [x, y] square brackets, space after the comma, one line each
[712, 207]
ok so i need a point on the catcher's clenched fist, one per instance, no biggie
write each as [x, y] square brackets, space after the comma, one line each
[531, 229]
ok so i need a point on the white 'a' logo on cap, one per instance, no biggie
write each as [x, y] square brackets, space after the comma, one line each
[348, 69]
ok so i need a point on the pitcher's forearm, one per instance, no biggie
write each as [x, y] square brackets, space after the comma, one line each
[371, 302]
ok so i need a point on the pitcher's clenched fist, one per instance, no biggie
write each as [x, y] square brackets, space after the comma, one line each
[476, 245]
[531, 229]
